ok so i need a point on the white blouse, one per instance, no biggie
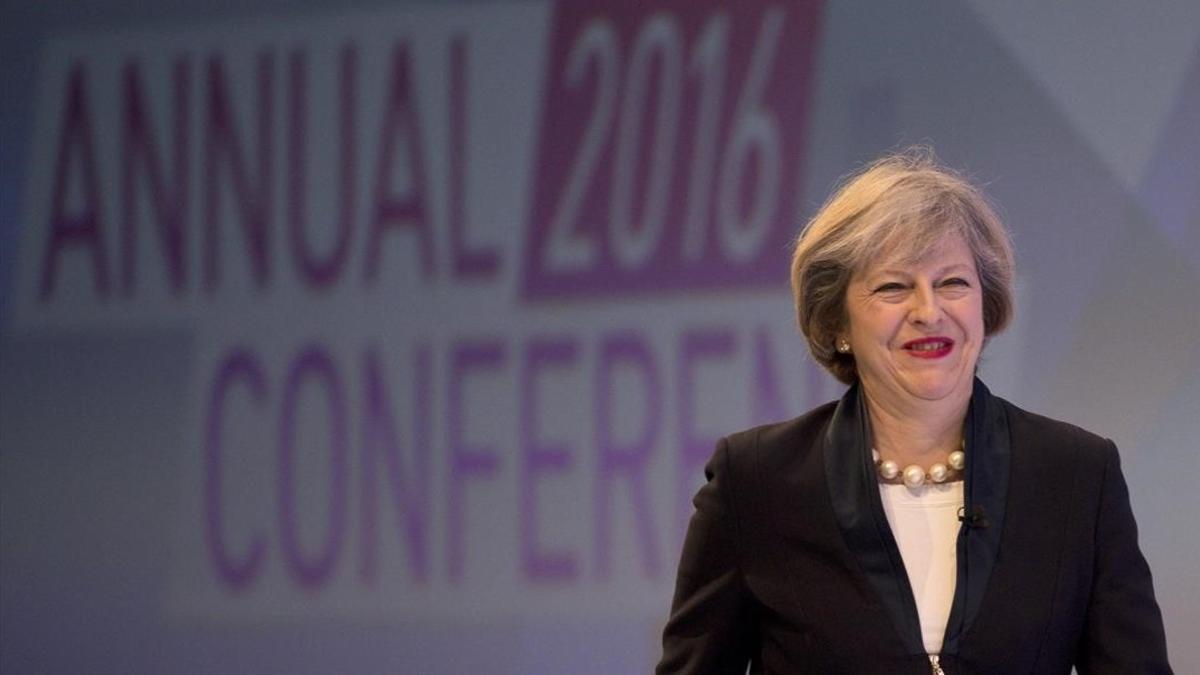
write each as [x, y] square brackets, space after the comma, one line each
[925, 524]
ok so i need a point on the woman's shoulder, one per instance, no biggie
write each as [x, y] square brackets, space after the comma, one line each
[754, 463]
[1053, 436]
[790, 436]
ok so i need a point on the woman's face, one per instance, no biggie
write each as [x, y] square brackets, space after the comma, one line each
[916, 330]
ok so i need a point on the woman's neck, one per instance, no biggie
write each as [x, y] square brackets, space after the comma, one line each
[916, 432]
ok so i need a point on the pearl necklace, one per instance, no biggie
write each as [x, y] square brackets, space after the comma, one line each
[914, 476]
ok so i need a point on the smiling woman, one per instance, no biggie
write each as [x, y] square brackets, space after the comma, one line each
[916, 330]
[919, 524]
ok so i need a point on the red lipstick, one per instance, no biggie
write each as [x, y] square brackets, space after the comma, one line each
[929, 348]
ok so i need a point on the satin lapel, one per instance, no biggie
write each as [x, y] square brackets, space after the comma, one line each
[854, 491]
[989, 452]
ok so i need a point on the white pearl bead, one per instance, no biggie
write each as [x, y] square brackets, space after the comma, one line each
[938, 472]
[914, 476]
[889, 469]
[958, 460]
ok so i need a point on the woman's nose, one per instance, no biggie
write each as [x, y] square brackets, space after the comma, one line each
[926, 308]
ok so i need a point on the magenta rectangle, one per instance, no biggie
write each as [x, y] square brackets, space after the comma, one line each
[672, 140]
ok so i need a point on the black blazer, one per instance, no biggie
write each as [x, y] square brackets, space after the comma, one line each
[789, 564]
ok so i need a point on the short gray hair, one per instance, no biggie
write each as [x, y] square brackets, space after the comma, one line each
[900, 205]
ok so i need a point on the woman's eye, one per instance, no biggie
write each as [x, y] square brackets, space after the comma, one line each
[889, 288]
[956, 282]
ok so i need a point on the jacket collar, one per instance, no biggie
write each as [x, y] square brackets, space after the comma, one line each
[854, 492]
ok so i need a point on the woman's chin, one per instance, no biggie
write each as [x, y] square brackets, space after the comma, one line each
[934, 389]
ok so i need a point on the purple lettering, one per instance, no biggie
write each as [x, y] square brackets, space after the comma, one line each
[695, 449]
[84, 227]
[630, 459]
[411, 491]
[468, 264]
[239, 365]
[139, 148]
[315, 271]
[223, 148]
[539, 457]
[313, 362]
[400, 124]
[467, 462]
[765, 394]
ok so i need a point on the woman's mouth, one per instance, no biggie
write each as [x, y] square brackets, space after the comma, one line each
[929, 348]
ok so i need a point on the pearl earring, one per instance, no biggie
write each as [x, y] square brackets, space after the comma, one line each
[843, 346]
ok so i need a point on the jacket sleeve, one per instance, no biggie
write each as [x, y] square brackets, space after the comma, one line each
[1123, 631]
[711, 627]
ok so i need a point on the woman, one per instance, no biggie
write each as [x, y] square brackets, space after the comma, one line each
[920, 524]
